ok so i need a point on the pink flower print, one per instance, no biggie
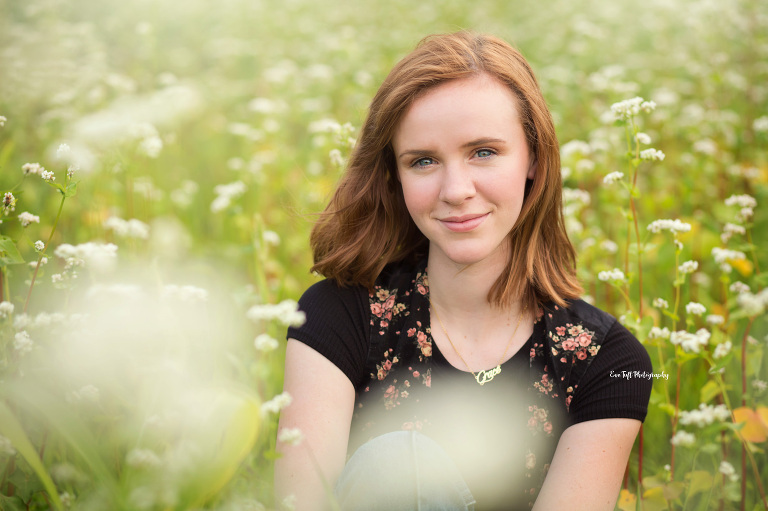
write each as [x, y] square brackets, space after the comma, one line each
[548, 428]
[382, 294]
[411, 332]
[569, 345]
[376, 309]
[381, 374]
[584, 339]
[391, 392]
[404, 394]
[560, 330]
[421, 289]
[568, 401]
[593, 350]
[390, 302]
[387, 365]
[530, 461]
[426, 350]
[540, 414]
[533, 353]
[574, 330]
[581, 354]
[532, 423]
[415, 374]
[428, 380]
[563, 360]
[384, 324]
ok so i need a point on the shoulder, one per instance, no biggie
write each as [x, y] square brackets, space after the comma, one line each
[579, 312]
[329, 292]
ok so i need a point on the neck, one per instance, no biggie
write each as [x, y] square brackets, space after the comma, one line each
[462, 290]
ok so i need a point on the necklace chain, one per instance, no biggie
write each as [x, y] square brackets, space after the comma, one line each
[484, 376]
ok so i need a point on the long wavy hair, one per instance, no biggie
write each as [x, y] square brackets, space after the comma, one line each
[366, 225]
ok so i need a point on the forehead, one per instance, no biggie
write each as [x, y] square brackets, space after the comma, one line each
[475, 106]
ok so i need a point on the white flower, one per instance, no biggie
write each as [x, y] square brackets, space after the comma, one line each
[9, 203]
[151, 146]
[62, 151]
[271, 238]
[705, 415]
[659, 333]
[728, 471]
[690, 342]
[277, 403]
[760, 124]
[142, 458]
[673, 226]
[6, 309]
[613, 177]
[652, 155]
[292, 436]
[683, 438]
[722, 350]
[32, 168]
[609, 246]
[730, 229]
[127, 228]
[759, 385]
[39, 245]
[225, 194]
[286, 312]
[715, 319]
[695, 308]
[705, 146]
[643, 138]
[688, 267]
[100, 256]
[2, 120]
[48, 176]
[27, 218]
[660, 303]
[22, 343]
[336, 157]
[724, 255]
[753, 304]
[630, 107]
[265, 343]
[738, 288]
[574, 146]
[614, 275]
[743, 201]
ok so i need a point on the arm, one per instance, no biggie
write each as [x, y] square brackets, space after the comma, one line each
[323, 401]
[588, 466]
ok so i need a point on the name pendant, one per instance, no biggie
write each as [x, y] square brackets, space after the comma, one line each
[484, 377]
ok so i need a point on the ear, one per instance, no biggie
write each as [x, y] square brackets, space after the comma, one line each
[532, 169]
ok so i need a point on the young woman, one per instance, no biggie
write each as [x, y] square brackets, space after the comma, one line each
[447, 361]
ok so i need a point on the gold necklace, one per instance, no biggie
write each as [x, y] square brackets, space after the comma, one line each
[484, 376]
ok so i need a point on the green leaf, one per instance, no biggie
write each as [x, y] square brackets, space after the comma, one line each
[12, 429]
[71, 189]
[12, 503]
[9, 254]
[698, 481]
[709, 391]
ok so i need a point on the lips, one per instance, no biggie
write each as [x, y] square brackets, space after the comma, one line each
[464, 223]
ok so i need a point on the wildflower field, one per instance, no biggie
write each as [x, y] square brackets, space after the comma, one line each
[161, 164]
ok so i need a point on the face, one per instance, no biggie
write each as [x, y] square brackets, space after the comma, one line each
[462, 161]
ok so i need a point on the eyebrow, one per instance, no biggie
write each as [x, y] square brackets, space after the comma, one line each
[471, 143]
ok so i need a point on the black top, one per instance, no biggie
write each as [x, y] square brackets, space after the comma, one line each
[579, 364]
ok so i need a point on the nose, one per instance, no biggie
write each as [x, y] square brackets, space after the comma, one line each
[458, 184]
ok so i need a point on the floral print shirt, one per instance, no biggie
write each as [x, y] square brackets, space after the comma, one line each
[513, 435]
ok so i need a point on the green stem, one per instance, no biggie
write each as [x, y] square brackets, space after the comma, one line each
[754, 252]
[40, 257]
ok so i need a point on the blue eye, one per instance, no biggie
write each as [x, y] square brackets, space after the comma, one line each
[484, 153]
[423, 162]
